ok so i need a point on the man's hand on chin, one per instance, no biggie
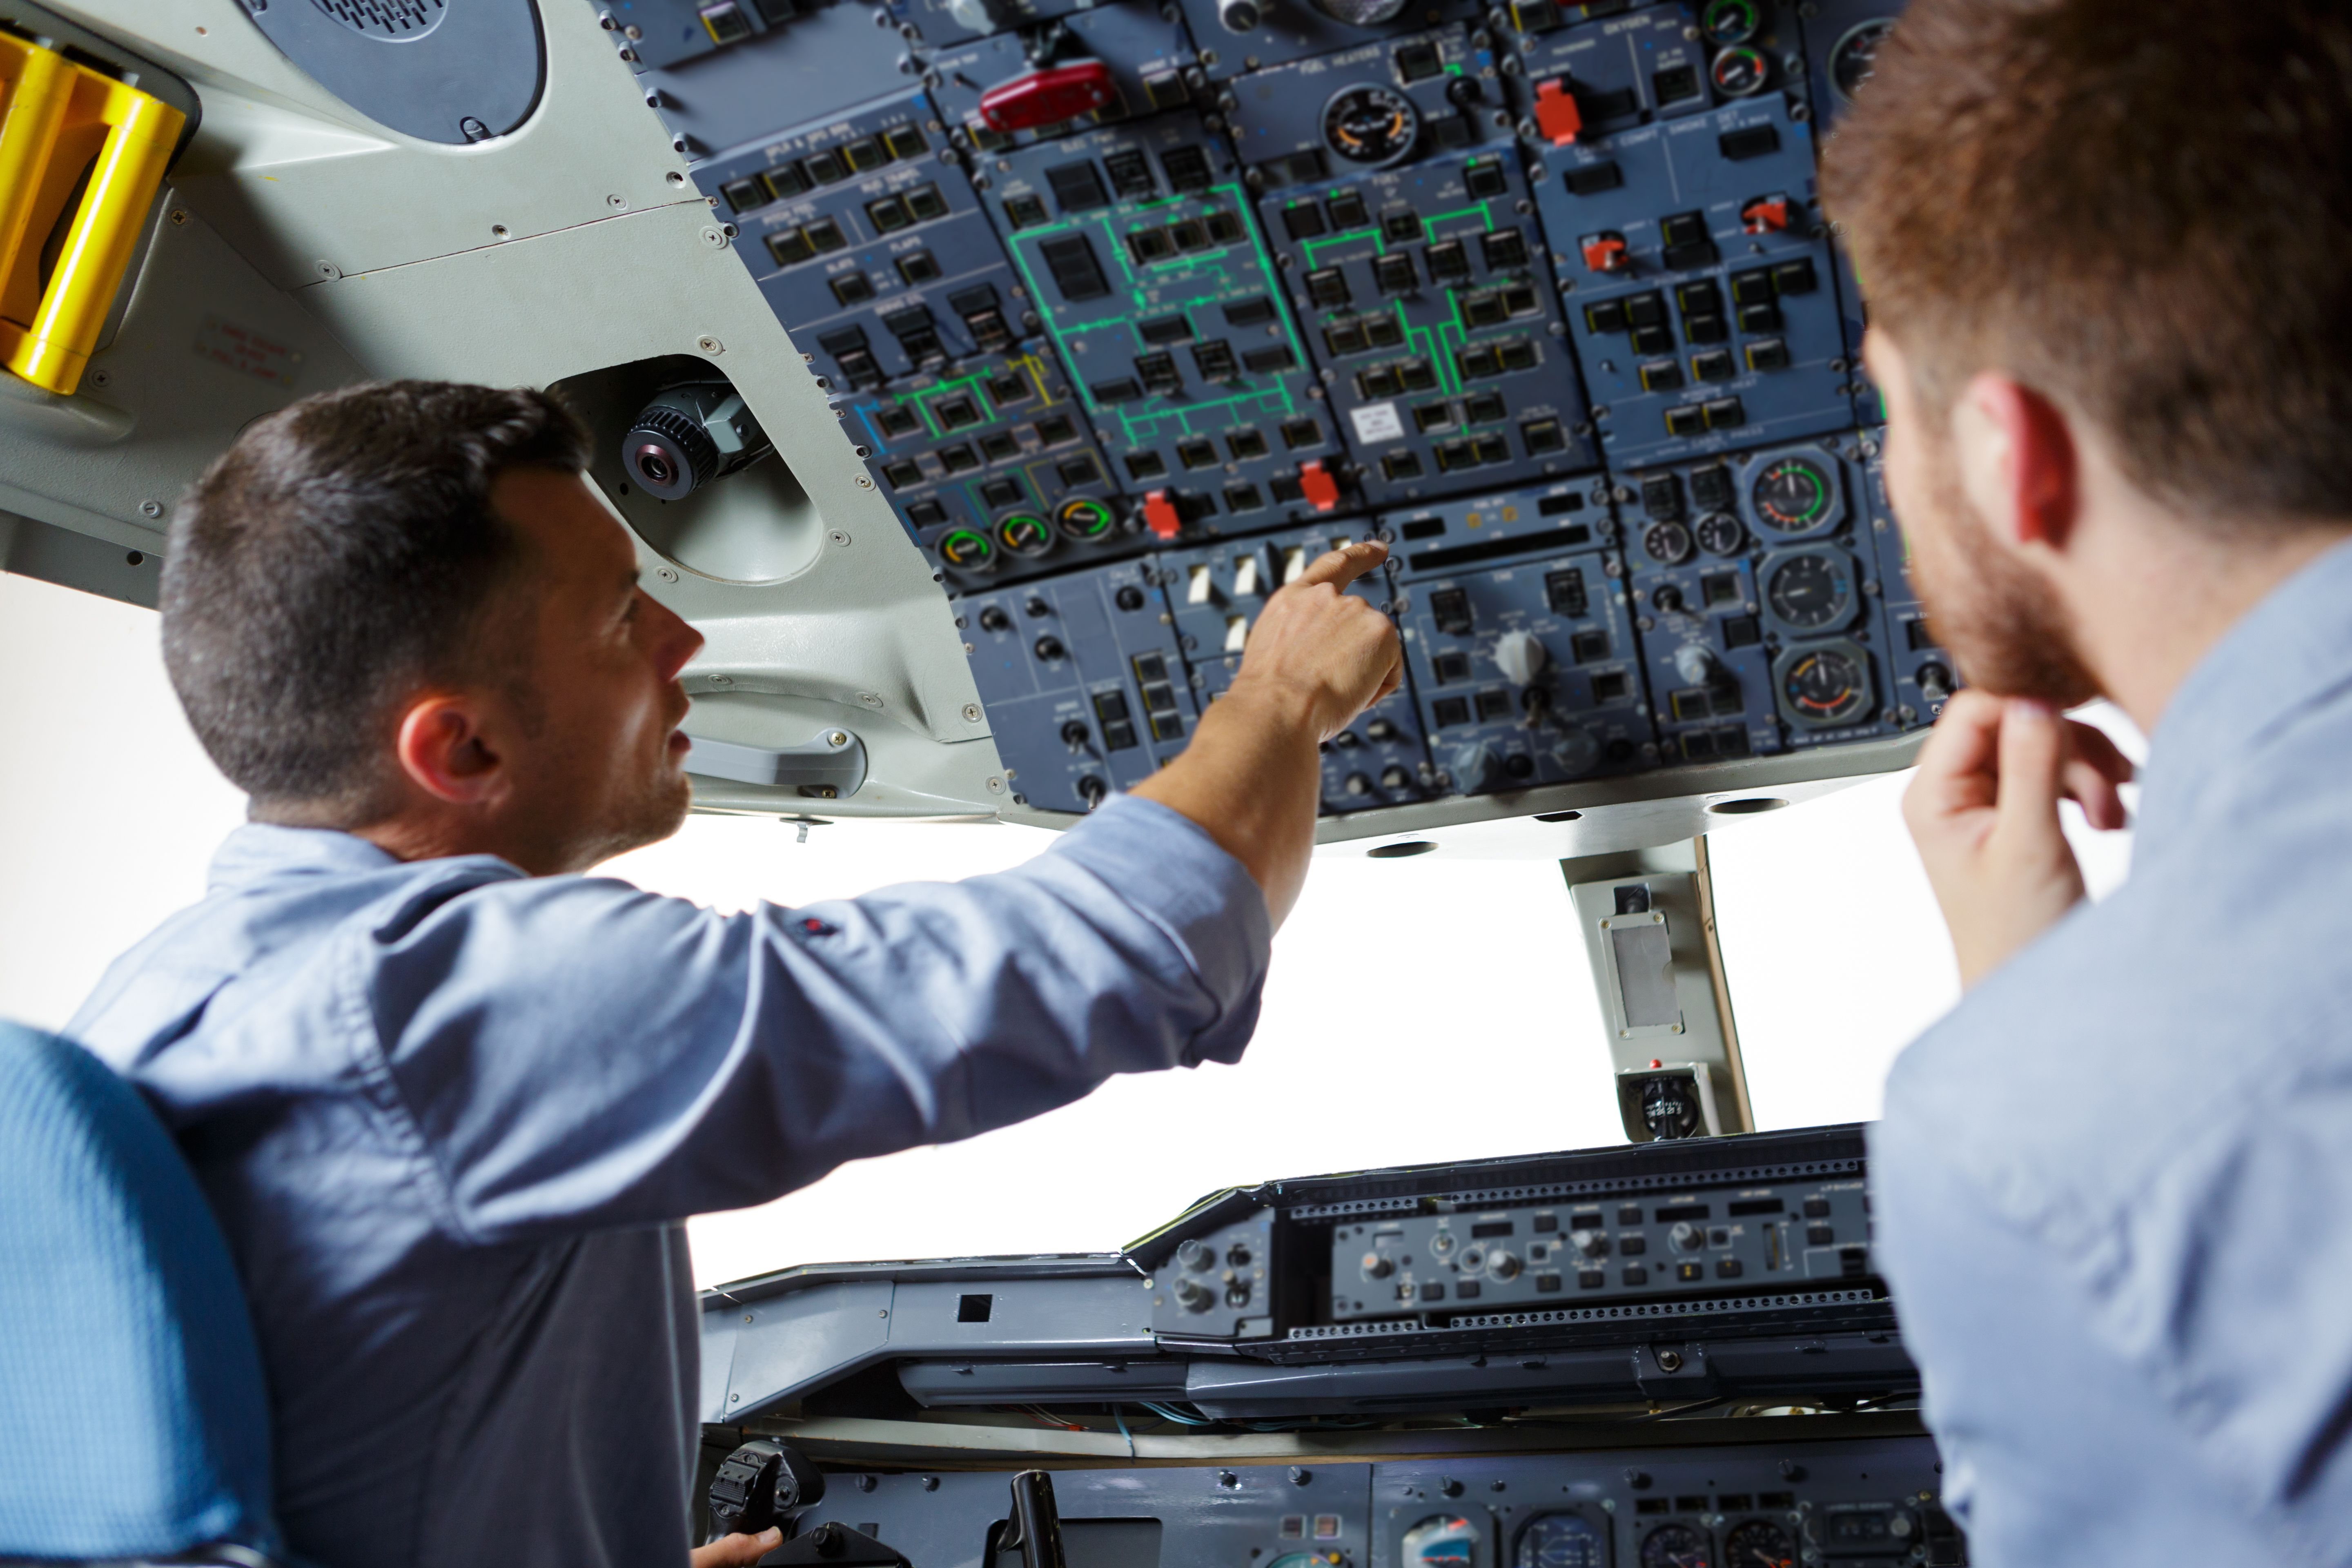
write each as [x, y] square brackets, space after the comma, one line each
[729, 1551]
[1984, 812]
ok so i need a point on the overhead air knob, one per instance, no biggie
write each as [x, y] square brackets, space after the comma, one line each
[1197, 1255]
[1522, 656]
[1503, 1265]
[1239, 16]
[1193, 1296]
[1935, 681]
[1686, 1236]
[1377, 1267]
[1477, 766]
[1695, 664]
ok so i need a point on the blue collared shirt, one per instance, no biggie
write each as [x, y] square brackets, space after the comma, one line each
[451, 1116]
[2114, 1189]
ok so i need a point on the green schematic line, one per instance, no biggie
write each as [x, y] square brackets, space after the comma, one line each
[1132, 426]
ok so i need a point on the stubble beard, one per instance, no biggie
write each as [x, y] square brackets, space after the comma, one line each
[2004, 626]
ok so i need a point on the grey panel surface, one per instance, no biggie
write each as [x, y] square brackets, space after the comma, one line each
[440, 71]
[71, 560]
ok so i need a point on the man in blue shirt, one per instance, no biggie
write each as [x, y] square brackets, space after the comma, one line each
[2105, 250]
[451, 1102]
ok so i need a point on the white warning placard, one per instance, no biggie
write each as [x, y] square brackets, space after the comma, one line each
[1378, 421]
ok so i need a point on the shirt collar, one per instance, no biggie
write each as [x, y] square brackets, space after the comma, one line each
[263, 851]
[2286, 653]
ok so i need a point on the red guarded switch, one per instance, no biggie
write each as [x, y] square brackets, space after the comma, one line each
[1321, 491]
[1765, 215]
[1161, 516]
[1047, 96]
[1558, 118]
[1606, 253]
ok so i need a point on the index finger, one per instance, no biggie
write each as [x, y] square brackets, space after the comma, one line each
[1956, 765]
[1343, 566]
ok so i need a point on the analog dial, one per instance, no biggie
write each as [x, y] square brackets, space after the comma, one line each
[1855, 56]
[1445, 1540]
[1371, 125]
[1759, 1543]
[1084, 519]
[1741, 71]
[1794, 495]
[1677, 1546]
[1825, 686]
[1668, 543]
[1561, 1540]
[966, 551]
[1730, 21]
[1719, 533]
[1811, 592]
[1025, 534]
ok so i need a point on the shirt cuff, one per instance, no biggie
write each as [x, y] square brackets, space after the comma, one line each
[1173, 873]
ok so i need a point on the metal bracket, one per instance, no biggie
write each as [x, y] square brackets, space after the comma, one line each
[830, 767]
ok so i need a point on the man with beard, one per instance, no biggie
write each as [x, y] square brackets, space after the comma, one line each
[451, 1100]
[2104, 246]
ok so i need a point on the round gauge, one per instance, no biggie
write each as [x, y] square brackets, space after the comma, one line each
[1371, 125]
[1668, 543]
[1025, 534]
[1759, 1543]
[1719, 533]
[1795, 495]
[1676, 1546]
[1824, 686]
[967, 551]
[1361, 13]
[1809, 591]
[1857, 56]
[1442, 1540]
[1085, 520]
[1729, 21]
[1561, 1540]
[1739, 71]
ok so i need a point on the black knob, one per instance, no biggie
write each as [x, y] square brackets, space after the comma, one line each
[1394, 777]
[1049, 648]
[1129, 597]
[1037, 608]
[1075, 735]
[1347, 740]
[1935, 681]
[1381, 730]
[1091, 790]
[994, 619]
[1462, 90]
[1450, 1486]
[1667, 599]
[1196, 1255]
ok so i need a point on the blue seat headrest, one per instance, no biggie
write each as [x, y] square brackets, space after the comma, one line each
[133, 1418]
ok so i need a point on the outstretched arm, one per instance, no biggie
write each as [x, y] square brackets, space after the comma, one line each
[1318, 657]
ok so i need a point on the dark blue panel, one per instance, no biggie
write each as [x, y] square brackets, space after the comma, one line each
[1524, 664]
[1925, 674]
[1082, 682]
[1136, 246]
[1436, 325]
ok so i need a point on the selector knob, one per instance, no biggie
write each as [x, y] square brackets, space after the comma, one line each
[1685, 1237]
[1695, 664]
[1357, 785]
[1522, 656]
[1193, 1296]
[1393, 777]
[1666, 599]
[1035, 609]
[1502, 1265]
[1238, 15]
[1576, 751]
[1935, 681]
[1477, 766]
[1376, 1267]
[1197, 1255]
[1092, 790]
[994, 619]
[1591, 1243]
[1074, 735]
[1382, 731]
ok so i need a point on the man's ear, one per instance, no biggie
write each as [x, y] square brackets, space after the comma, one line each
[2018, 461]
[444, 751]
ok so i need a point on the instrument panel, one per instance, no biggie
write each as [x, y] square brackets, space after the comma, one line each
[1104, 294]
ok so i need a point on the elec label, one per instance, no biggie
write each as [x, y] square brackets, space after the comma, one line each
[1378, 421]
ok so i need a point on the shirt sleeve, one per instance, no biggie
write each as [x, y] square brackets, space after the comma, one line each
[573, 1053]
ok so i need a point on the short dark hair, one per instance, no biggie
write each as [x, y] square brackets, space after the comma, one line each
[2142, 211]
[340, 555]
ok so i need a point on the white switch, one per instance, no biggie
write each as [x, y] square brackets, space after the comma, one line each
[1237, 633]
[1522, 656]
[1294, 562]
[1199, 588]
[1245, 576]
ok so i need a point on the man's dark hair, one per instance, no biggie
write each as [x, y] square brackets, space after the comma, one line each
[342, 555]
[2142, 211]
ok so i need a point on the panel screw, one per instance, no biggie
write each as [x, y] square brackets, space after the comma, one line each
[709, 344]
[838, 537]
[616, 201]
[497, 231]
[996, 785]
[100, 378]
[970, 711]
[713, 238]
[151, 509]
[179, 215]
[674, 177]
[863, 482]
[667, 574]
[329, 270]
[871, 700]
